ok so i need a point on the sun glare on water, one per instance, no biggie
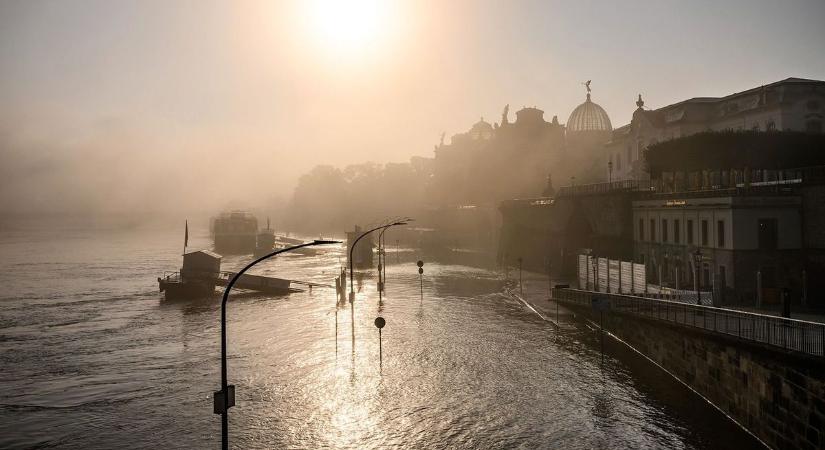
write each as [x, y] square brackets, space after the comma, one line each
[348, 28]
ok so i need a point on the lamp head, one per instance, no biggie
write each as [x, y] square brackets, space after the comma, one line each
[323, 242]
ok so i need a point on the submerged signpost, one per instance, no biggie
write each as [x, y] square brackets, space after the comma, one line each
[379, 323]
[421, 277]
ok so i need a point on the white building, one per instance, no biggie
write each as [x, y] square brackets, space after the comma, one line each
[793, 104]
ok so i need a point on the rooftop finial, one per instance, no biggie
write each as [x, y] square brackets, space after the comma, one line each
[640, 102]
[587, 85]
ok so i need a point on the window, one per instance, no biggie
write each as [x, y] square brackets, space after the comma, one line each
[704, 233]
[652, 230]
[641, 229]
[690, 232]
[664, 230]
[676, 231]
[720, 233]
[767, 234]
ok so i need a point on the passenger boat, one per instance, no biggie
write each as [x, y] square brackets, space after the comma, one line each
[235, 232]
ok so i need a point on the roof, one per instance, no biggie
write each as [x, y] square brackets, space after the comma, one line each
[589, 117]
[205, 252]
[791, 80]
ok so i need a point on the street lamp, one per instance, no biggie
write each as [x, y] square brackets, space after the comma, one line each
[610, 171]
[382, 254]
[697, 258]
[382, 261]
[223, 399]
[352, 247]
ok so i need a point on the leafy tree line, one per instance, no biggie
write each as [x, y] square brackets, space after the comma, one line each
[329, 199]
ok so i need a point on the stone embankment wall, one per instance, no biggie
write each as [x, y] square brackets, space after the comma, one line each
[779, 396]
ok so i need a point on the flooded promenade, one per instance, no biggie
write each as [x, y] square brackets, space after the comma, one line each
[97, 358]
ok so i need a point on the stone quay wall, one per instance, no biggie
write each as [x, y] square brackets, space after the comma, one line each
[777, 394]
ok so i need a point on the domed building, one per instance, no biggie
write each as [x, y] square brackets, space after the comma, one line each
[588, 130]
[588, 117]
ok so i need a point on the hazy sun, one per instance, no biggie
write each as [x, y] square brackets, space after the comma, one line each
[350, 26]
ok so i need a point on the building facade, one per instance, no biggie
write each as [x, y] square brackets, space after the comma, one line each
[793, 104]
[742, 232]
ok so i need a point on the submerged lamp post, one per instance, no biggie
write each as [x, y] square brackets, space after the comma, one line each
[225, 398]
[352, 247]
[382, 256]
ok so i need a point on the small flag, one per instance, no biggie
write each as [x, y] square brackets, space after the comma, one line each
[186, 235]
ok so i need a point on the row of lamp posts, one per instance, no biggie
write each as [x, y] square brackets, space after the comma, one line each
[225, 398]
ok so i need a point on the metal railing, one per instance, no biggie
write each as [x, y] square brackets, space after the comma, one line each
[603, 188]
[790, 334]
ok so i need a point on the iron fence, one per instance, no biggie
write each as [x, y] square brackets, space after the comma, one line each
[790, 334]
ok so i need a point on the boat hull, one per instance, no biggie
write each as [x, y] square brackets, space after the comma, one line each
[234, 244]
[185, 290]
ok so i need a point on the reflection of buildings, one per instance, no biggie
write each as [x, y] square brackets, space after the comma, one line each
[793, 104]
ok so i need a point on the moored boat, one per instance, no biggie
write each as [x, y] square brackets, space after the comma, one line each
[265, 241]
[235, 232]
[197, 278]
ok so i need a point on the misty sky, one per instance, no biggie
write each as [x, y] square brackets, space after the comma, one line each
[194, 105]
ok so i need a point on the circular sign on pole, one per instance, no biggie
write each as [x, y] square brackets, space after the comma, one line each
[420, 263]
[420, 271]
[380, 322]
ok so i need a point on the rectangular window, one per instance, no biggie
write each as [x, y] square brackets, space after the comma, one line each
[641, 229]
[720, 233]
[690, 232]
[704, 233]
[768, 235]
[677, 231]
[652, 230]
[664, 230]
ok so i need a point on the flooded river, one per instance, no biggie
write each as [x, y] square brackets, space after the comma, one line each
[92, 356]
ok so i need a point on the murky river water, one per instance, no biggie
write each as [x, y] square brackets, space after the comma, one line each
[91, 356]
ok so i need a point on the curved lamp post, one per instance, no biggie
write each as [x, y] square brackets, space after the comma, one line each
[382, 260]
[352, 247]
[227, 398]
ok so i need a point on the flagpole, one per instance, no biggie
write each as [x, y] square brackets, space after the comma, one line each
[186, 236]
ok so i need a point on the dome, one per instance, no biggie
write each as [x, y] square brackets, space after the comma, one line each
[588, 117]
[481, 130]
